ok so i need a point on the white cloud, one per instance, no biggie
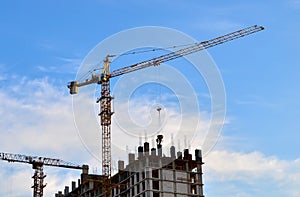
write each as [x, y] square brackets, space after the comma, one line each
[58, 179]
[3, 75]
[33, 113]
[18, 179]
[135, 118]
[67, 65]
[255, 170]
[294, 3]
[254, 100]
[36, 118]
[222, 25]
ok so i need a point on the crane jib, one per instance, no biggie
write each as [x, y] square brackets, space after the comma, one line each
[10, 157]
[188, 50]
[37, 164]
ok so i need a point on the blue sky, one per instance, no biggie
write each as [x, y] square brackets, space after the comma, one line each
[44, 42]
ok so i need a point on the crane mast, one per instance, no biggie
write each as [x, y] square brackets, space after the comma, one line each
[104, 79]
[105, 117]
[37, 164]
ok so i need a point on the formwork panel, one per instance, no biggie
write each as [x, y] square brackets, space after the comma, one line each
[181, 175]
[168, 186]
[167, 175]
[181, 188]
[168, 195]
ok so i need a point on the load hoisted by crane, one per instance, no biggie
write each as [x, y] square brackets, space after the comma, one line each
[104, 79]
[37, 164]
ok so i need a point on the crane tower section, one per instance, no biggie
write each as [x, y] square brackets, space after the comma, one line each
[105, 117]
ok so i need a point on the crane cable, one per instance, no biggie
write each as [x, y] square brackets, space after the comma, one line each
[97, 67]
[156, 49]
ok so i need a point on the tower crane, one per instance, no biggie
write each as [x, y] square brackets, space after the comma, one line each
[104, 80]
[37, 164]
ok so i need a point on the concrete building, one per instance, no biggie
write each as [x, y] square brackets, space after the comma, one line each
[149, 175]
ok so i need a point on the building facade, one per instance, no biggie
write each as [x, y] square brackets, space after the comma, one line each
[149, 175]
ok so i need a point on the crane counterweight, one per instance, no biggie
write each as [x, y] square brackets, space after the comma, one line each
[73, 86]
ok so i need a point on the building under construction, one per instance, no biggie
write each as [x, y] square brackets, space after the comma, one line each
[149, 174]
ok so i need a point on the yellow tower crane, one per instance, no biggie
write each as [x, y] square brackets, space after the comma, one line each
[104, 80]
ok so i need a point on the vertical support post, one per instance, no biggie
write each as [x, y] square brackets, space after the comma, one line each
[38, 180]
[105, 119]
